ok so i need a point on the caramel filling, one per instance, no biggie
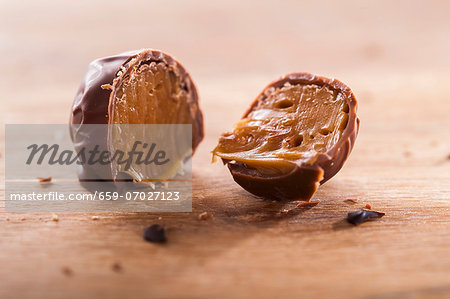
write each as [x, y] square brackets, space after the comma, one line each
[294, 123]
[152, 93]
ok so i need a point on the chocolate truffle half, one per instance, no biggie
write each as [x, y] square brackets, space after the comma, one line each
[137, 87]
[295, 136]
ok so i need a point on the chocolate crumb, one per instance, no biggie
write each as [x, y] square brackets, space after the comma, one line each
[66, 271]
[155, 233]
[351, 200]
[45, 180]
[205, 216]
[367, 206]
[358, 217]
[95, 218]
[116, 267]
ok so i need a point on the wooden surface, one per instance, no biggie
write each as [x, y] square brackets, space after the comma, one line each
[393, 55]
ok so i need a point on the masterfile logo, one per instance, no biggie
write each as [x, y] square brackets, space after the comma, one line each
[85, 165]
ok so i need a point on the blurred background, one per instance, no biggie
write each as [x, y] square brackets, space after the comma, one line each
[392, 54]
[386, 44]
[395, 55]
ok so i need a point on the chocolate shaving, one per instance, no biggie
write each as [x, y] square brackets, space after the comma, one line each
[155, 234]
[358, 217]
[45, 180]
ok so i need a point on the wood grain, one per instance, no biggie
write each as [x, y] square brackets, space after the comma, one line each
[393, 55]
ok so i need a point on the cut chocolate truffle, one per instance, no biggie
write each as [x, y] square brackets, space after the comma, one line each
[296, 135]
[136, 87]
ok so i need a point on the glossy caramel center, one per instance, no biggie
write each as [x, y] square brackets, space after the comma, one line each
[293, 123]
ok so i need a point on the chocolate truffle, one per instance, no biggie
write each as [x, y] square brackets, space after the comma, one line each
[136, 87]
[295, 136]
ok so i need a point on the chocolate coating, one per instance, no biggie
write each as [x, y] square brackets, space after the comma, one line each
[302, 181]
[93, 101]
